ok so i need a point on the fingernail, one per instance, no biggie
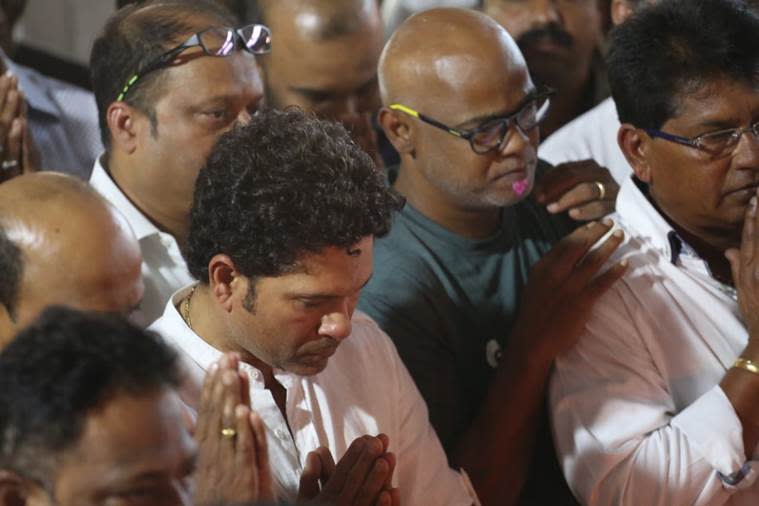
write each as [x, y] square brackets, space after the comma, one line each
[752, 203]
[553, 208]
[214, 367]
[618, 234]
[241, 411]
[624, 263]
[574, 213]
[608, 222]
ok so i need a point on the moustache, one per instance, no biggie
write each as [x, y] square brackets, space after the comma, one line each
[552, 32]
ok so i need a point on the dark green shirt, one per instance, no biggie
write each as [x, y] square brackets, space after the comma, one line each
[449, 302]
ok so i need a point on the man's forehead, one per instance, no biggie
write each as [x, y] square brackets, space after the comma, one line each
[716, 100]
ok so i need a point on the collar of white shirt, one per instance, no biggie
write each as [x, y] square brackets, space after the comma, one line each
[640, 215]
[102, 182]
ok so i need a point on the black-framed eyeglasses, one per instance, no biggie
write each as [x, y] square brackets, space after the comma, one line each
[218, 41]
[717, 144]
[494, 134]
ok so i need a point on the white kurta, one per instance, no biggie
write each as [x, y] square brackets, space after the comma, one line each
[365, 389]
[638, 414]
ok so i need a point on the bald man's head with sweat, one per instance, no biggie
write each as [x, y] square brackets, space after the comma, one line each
[325, 56]
[463, 70]
[62, 244]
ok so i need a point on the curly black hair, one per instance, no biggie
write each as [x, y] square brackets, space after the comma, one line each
[284, 185]
[61, 367]
[132, 38]
[670, 49]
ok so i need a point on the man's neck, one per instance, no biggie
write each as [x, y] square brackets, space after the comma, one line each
[466, 222]
[211, 327]
[164, 220]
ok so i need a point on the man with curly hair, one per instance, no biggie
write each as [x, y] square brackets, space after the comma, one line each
[281, 237]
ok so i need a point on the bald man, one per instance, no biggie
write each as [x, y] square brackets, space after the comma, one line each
[62, 244]
[325, 61]
[450, 282]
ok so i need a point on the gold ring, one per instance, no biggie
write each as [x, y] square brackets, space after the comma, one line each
[601, 189]
[228, 433]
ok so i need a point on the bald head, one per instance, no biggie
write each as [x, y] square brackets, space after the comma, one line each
[325, 56]
[451, 49]
[320, 20]
[66, 245]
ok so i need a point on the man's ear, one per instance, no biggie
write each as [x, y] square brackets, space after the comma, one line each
[398, 129]
[222, 279]
[14, 490]
[122, 123]
[635, 145]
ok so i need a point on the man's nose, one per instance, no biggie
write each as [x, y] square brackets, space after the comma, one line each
[336, 325]
[746, 155]
[547, 12]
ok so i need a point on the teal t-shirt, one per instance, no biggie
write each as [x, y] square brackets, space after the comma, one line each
[449, 302]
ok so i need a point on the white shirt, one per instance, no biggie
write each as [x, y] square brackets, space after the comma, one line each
[63, 120]
[365, 389]
[638, 414]
[164, 270]
[592, 135]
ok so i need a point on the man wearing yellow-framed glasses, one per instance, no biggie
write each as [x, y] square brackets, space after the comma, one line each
[450, 282]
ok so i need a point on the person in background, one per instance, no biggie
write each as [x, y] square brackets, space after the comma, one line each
[44, 123]
[61, 243]
[325, 61]
[593, 135]
[561, 42]
[167, 86]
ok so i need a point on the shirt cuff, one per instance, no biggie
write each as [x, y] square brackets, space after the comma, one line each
[712, 424]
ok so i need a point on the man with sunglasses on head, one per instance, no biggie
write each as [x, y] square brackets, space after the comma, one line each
[657, 403]
[169, 78]
[450, 283]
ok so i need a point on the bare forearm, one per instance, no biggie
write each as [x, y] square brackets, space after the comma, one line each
[497, 448]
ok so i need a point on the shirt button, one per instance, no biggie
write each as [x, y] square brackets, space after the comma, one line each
[282, 434]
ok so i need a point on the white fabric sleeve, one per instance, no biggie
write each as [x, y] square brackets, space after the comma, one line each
[423, 473]
[619, 438]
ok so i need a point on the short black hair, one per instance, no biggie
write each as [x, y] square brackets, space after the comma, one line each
[284, 185]
[61, 367]
[133, 37]
[11, 272]
[672, 48]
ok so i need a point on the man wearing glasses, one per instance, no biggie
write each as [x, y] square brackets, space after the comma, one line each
[169, 79]
[657, 403]
[450, 283]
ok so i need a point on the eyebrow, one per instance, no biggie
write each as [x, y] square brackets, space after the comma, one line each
[478, 120]
[325, 296]
[313, 92]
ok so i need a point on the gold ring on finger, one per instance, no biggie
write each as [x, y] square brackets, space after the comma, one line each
[601, 189]
[228, 433]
